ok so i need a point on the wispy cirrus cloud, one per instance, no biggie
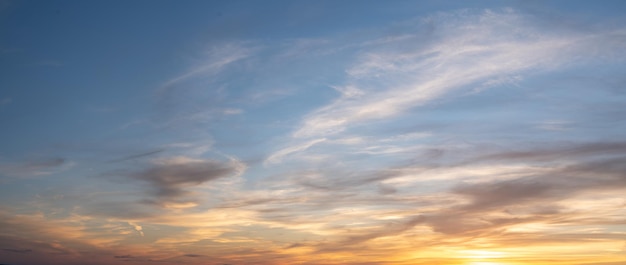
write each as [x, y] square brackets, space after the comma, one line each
[199, 94]
[277, 157]
[459, 52]
[216, 59]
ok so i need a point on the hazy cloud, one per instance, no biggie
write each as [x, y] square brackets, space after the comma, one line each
[217, 58]
[560, 150]
[31, 168]
[18, 250]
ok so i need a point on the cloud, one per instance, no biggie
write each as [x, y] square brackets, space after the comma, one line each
[531, 187]
[27, 234]
[278, 155]
[18, 250]
[306, 47]
[386, 189]
[171, 179]
[111, 208]
[555, 151]
[531, 198]
[327, 180]
[217, 58]
[554, 125]
[31, 168]
[459, 52]
[390, 228]
[200, 94]
[232, 111]
[137, 228]
[501, 194]
[135, 156]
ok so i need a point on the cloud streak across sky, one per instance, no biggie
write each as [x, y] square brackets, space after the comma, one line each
[461, 135]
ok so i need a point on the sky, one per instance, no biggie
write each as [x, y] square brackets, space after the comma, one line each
[312, 132]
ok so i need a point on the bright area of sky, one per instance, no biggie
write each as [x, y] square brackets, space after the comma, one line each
[313, 132]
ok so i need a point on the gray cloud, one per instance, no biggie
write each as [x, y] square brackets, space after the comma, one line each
[502, 193]
[170, 181]
[595, 156]
[537, 193]
[135, 156]
[117, 209]
[576, 150]
[386, 189]
[327, 180]
[479, 208]
[31, 168]
[388, 229]
[52, 162]
[18, 250]
[608, 173]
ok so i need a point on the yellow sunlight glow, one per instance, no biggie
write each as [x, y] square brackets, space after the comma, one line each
[485, 263]
[481, 254]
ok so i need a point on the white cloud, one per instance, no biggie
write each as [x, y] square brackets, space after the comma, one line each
[191, 148]
[35, 167]
[554, 125]
[218, 57]
[137, 228]
[465, 50]
[348, 91]
[232, 111]
[278, 156]
[305, 47]
[350, 140]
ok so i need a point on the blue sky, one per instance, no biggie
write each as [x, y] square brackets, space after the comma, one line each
[312, 132]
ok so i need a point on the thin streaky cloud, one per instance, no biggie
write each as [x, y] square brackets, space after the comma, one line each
[35, 167]
[278, 155]
[135, 156]
[477, 51]
[217, 58]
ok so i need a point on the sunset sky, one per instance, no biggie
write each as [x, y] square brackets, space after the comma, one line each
[312, 132]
